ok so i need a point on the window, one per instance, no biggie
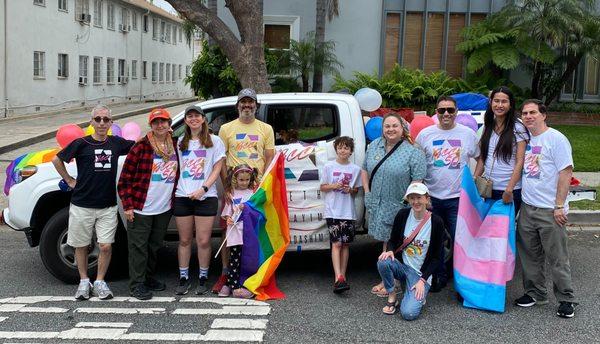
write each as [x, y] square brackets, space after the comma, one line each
[97, 13]
[110, 70]
[592, 72]
[39, 64]
[168, 33]
[277, 39]
[134, 20]
[134, 69]
[162, 30]
[179, 72]
[154, 28]
[161, 72]
[124, 26]
[180, 35]
[154, 72]
[216, 118]
[83, 70]
[144, 69]
[305, 123]
[110, 14]
[168, 78]
[82, 10]
[62, 5]
[145, 23]
[187, 70]
[39, 2]
[174, 40]
[122, 78]
[63, 65]
[173, 73]
[392, 40]
[97, 69]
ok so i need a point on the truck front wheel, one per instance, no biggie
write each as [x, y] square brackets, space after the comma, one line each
[57, 256]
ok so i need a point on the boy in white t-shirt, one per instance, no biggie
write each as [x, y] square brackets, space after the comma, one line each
[541, 232]
[340, 180]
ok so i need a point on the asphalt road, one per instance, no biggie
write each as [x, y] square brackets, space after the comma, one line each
[311, 313]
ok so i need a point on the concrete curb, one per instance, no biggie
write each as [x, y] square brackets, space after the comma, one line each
[50, 134]
[584, 217]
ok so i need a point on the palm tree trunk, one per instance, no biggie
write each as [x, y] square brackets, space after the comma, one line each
[319, 39]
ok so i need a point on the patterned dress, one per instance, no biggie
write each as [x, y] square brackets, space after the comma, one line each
[389, 185]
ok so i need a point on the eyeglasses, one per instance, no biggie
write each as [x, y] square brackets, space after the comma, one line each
[99, 119]
[450, 110]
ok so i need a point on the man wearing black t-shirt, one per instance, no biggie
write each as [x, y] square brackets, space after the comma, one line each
[94, 200]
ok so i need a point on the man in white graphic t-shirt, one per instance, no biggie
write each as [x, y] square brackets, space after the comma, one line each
[448, 148]
[541, 232]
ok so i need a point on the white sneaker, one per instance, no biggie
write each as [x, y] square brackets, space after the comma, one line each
[102, 291]
[83, 290]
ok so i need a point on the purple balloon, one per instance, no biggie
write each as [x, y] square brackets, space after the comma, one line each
[467, 120]
[116, 130]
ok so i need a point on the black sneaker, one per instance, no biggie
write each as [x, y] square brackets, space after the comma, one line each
[183, 287]
[202, 288]
[528, 301]
[566, 310]
[437, 284]
[155, 285]
[141, 292]
[341, 286]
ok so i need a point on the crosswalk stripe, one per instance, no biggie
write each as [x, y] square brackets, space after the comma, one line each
[11, 307]
[254, 324]
[220, 301]
[225, 301]
[233, 310]
[3, 318]
[27, 335]
[104, 324]
[43, 310]
[103, 310]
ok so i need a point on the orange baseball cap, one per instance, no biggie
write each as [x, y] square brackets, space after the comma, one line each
[159, 113]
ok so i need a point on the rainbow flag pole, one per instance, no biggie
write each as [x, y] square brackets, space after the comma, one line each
[266, 233]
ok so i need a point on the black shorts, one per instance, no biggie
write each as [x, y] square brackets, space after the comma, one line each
[184, 206]
[341, 231]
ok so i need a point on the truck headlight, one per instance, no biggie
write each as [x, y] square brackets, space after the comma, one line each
[25, 173]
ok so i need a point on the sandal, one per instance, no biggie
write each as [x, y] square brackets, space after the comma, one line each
[378, 290]
[391, 306]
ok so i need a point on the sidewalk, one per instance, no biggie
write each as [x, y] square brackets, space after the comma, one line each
[17, 132]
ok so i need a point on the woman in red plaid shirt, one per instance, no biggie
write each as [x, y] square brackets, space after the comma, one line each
[146, 188]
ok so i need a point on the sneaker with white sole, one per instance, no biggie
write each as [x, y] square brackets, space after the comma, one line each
[102, 291]
[528, 301]
[83, 291]
[566, 309]
[202, 287]
[183, 287]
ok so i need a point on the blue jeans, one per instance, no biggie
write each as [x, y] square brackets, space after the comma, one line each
[447, 209]
[497, 194]
[389, 269]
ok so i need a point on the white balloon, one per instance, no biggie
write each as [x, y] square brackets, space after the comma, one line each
[368, 99]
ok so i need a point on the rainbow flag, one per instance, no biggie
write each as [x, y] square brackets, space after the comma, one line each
[30, 159]
[484, 248]
[266, 233]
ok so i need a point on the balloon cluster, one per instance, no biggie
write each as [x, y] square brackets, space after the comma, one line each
[69, 132]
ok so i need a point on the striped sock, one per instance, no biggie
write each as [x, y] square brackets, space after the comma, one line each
[184, 273]
[203, 272]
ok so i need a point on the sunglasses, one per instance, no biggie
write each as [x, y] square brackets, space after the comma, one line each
[450, 110]
[99, 119]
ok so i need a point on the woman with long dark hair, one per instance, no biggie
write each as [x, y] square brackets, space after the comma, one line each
[503, 144]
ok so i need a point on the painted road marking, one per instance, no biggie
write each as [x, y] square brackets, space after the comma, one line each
[225, 301]
[43, 310]
[11, 307]
[3, 318]
[255, 324]
[104, 324]
[233, 310]
[102, 310]
[121, 335]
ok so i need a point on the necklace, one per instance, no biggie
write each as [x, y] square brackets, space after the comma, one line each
[163, 149]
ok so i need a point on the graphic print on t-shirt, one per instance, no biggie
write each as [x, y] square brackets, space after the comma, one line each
[193, 164]
[415, 248]
[164, 172]
[531, 167]
[246, 146]
[446, 153]
[343, 178]
[102, 159]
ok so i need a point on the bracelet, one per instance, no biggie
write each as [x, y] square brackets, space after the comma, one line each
[557, 207]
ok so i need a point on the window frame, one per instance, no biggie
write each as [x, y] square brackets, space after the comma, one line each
[110, 70]
[63, 66]
[144, 69]
[41, 68]
[38, 2]
[329, 137]
[97, 72]
[110, 15]
[83, 69]
[66, 5]
[134, 69]
[97, 19]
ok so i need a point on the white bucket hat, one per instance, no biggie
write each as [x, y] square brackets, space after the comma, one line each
[416, 188]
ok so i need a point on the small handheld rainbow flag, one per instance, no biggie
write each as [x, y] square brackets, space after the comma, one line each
[484, 248]
[266, 233]
[30, 159]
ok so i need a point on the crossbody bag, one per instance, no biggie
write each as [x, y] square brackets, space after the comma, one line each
[414, 233]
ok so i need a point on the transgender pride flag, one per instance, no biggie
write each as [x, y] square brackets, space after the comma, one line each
[484, 248]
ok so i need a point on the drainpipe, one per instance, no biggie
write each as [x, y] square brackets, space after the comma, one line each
[141, 77]
[5, 58]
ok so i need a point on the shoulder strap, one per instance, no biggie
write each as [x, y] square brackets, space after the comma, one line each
[381, 162]
[414, 233]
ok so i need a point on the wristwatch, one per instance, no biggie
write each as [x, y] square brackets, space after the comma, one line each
[205, 188]
[556, 207]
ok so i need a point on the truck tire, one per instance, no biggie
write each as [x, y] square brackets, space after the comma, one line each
[57, 256]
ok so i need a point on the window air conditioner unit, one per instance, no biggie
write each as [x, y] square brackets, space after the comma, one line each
[84, 18]
[82, 80]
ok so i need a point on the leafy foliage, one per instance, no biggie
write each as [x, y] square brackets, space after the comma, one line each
[402, 87]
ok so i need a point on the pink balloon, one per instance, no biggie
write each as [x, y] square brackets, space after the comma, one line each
[435, 119]
[67, 133]
[419, 123]
[131, 131]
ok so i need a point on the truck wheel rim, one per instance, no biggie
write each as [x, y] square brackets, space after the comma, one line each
[67, 253]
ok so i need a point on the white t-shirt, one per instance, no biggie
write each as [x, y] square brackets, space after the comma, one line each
[414, 254]
[196, 164]
[235, 234]
[447, 152]
[502, 171]
[162, 181]
[339, 205]
[547, 154]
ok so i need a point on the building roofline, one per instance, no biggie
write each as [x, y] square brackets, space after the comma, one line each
[154, 9]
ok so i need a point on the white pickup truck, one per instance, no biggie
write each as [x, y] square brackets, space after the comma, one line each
[305, 126]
